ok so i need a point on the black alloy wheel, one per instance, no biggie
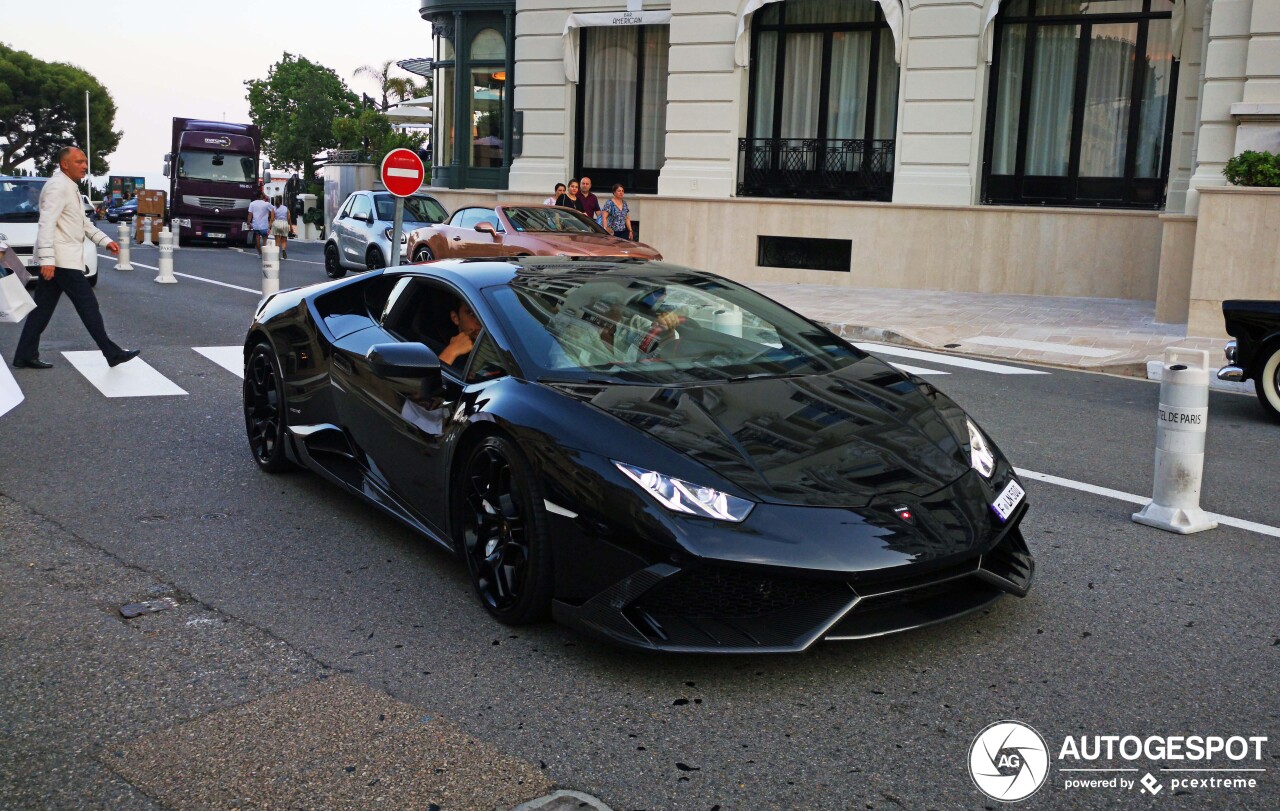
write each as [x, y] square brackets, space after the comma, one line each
[422, 254]
[1268, 382]
[332, 265]
[373, 259]
[264, 409]
[503, 532]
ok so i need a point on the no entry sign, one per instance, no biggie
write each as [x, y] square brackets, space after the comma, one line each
[402, 172]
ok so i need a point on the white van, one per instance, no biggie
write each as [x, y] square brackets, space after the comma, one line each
[20, 219]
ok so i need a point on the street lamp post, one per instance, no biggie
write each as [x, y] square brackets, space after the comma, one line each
[88, 144]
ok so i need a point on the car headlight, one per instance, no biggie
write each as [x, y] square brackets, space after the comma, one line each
[386, 232]
[981, 457]
[685, 497]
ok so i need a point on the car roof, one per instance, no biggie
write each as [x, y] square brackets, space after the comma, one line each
[478, 274]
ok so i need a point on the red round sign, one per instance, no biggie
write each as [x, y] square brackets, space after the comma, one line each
[402, 172]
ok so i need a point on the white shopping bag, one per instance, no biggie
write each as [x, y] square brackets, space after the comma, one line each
[10, 394]
[15, 301]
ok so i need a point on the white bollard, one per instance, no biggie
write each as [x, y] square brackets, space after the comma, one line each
[270, 269]
[1180, 429]
[125, 240]
[147, 225]
[165, 276]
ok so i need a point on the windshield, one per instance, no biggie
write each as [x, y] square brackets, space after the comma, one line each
[416, 209]
[550, 219]
[218, 166]
[660, 330]
[20, 199]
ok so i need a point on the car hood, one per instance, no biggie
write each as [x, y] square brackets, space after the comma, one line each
[835, 440]
[594, 245]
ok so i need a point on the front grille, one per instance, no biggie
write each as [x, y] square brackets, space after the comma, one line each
[215, 202]
[730, 594]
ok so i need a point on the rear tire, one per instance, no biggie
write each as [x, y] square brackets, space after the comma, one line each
[423, 254]
[373, 259]
[265, 410]
[1267, 383]
[332, 264]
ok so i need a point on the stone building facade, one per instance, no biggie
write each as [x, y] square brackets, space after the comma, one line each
[1049, 147]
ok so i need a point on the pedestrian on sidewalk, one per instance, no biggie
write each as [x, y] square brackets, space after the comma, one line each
[261, 213]
[617, 214]
[551, 201]
[570, 199]
[280, 227]
[60, 255]
[590, 203]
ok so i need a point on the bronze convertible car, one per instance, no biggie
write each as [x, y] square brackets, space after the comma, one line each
[502, 231]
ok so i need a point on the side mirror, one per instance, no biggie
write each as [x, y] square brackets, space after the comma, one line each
[414, 360]
[486, 228]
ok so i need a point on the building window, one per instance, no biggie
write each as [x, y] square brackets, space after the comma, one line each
[622, 106]
[1081, 103]
[474, 62]
[823, 102]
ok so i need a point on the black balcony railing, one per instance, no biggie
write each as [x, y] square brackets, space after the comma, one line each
[836, 169]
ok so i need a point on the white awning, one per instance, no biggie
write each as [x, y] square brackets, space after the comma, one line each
[1175, 28]
[892, 10]
[598, 19]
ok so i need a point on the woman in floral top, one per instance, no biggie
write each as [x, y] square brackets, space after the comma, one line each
[617, 214]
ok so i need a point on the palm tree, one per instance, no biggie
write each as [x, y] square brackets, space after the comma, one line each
[394, 88]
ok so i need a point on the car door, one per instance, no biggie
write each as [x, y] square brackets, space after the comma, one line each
[357, 237]
[339, 227]
[401, 425]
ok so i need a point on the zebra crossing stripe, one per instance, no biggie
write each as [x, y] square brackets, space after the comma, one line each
[135, 378]
[918, 370]
[230, 358]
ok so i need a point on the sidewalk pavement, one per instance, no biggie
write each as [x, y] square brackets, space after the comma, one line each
[1116, 336]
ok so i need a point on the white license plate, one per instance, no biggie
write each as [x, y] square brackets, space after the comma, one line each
[1008, 500]
[215, 235]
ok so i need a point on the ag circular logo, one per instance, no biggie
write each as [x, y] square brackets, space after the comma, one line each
[1008, 761]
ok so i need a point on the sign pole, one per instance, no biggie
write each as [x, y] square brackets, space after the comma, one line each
[396, 228]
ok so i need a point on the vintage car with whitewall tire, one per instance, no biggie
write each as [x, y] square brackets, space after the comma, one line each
[1254, 354]
[655, 456]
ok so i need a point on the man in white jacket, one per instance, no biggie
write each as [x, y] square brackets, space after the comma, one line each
[60, 255]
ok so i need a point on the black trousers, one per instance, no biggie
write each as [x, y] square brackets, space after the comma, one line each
[76, 286]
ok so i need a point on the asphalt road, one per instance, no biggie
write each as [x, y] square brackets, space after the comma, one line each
[1128, 631]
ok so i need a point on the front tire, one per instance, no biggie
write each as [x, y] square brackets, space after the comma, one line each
[502, 526]
[423, 254]
[1267, 384]
[332, 264]
[264, 409]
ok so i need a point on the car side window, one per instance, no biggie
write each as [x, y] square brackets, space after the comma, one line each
[469, 218]
[346, 208]
[361, 207]
[487, 361]
[490, 217]
[456, 219]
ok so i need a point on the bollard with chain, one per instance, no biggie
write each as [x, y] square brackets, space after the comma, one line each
[270, 269]
[165, 276]
[1180, 428]
[122, 263]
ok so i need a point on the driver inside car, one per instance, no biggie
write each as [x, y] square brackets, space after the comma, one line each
[464, 318]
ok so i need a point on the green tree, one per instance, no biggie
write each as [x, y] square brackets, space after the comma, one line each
[296, 106]
[370, 131]
[395, 89]
[42, 110]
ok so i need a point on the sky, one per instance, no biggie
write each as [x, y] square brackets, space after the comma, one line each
[162, 59]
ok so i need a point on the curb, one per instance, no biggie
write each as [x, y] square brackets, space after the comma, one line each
[564, 801]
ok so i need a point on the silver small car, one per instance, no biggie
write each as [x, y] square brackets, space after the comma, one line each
[360, 238]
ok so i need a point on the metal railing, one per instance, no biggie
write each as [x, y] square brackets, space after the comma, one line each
[833, 169]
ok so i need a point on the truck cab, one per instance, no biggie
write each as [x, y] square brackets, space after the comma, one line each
[213, 176]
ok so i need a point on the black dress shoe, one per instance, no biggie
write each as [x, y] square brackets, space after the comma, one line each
[128, 354]
[34, 363]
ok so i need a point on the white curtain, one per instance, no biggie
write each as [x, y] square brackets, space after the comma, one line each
[886, 123]
[609, 108]
[1052, 90]
[850, 59]
[653, 119]
[801, 88]
[1108, 100]
[1004, 148]
[1157, 86]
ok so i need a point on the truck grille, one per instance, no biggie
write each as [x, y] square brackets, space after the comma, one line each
[221, 203]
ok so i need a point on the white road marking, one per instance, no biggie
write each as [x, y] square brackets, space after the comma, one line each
[946, 360]
[918, 370]
[134, 378]
[1042, 346]
[303, 261]
[203, 279]
[1239, 523]
[230, 358]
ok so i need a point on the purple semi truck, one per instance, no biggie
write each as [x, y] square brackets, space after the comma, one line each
[213, 176]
